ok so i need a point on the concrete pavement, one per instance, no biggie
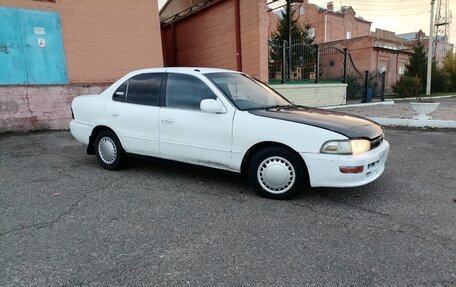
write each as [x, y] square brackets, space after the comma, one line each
[65, 221]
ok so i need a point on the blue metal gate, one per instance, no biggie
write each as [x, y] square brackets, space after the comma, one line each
[31, 48]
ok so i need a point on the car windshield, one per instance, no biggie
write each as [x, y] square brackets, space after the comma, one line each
[247, 93]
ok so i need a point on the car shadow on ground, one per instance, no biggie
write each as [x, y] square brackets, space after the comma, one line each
[222, 182]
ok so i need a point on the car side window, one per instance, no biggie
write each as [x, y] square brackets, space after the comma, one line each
[186, 92]
[141, 89]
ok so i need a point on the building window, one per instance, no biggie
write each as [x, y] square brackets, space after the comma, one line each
[301, 10]
[382, 68]
[401, 70]
[311, 33]
[52, 1]
[348, 35]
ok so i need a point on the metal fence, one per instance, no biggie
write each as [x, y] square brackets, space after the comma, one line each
[304, 63]
[301, 62]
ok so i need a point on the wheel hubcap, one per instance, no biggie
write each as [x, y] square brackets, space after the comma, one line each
[276, 175]
[107, 150]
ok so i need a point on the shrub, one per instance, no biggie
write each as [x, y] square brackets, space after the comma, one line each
[407, 86]
[439, 80]
[354, 89]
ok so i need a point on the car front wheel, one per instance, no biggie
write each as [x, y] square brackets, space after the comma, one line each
[109, 151]
[276, 173]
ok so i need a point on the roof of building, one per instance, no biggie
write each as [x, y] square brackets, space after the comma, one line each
[407, 36]
[412, 36]
[174, 10]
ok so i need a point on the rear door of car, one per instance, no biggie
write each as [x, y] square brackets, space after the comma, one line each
[133, 112]
[186, 133]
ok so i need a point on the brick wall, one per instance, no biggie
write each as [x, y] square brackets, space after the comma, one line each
[361, 50]
[26, 108]
[254, 37]
[104, 39]
[392, 60]
[367, 57]
[208, 38]
[334, 24]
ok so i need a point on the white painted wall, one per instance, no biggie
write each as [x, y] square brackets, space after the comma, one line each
[314, 95]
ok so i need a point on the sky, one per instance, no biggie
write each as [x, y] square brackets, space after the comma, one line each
[400, 16]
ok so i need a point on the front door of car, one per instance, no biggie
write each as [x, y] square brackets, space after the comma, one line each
[188, 134]
[133, 113]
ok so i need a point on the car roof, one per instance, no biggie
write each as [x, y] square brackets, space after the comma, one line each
[184, 70]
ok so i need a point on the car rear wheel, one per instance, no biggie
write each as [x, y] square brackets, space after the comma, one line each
[276, 173]
[109, 151]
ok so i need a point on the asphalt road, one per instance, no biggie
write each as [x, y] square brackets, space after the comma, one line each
[66, 221]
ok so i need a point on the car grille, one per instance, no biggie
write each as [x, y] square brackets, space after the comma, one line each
[376, 142]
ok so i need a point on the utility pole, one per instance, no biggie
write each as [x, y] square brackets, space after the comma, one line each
[430, 50]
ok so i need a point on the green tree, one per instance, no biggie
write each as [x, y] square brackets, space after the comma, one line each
[303, 55]
[417, 66]
[439, 79]
[449, 67]
[299, 34]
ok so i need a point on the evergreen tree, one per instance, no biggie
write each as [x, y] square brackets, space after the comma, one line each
[417, 66]
[299, 34]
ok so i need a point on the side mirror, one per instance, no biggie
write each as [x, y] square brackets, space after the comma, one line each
[212, 106]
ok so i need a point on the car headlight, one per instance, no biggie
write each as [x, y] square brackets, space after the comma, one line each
[345, 147]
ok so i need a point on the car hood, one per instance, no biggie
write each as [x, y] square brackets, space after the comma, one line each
[345, 124]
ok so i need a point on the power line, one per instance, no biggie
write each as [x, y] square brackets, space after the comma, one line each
[395, 15]
[377, 10]
[382, 5]
[412, 2]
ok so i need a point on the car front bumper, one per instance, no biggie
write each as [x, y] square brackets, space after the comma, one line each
[324, 169]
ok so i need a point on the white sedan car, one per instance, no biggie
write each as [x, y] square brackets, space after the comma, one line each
[228, 120]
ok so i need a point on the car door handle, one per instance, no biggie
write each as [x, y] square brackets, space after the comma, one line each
[167, 121]
[114, 114]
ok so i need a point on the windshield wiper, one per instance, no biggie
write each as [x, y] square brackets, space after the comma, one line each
[278, 106]
[270, 107]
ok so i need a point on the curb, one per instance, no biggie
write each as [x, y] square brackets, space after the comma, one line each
[415, 123]
[424, 98]
[386, 103]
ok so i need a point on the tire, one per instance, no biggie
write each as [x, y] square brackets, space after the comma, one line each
[277, 173]
[109, 151]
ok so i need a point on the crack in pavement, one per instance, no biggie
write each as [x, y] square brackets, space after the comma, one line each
[73, 206]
